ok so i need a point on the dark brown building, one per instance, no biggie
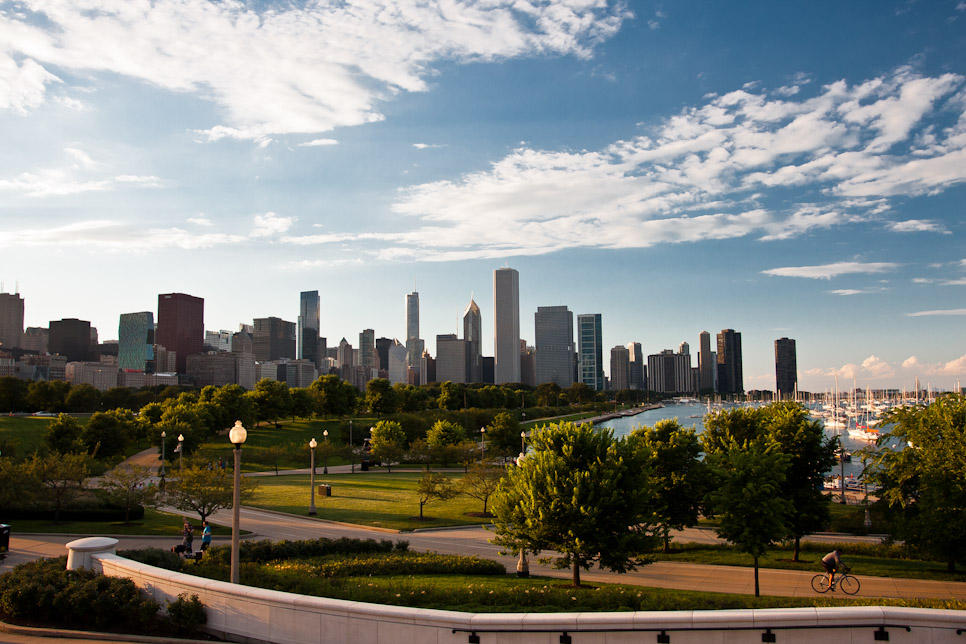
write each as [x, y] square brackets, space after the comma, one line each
[181, 326]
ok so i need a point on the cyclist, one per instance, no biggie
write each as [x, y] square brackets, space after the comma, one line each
[832, 562]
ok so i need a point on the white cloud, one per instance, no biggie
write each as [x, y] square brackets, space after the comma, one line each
[910, 363]
[847, 291]
[372, 51]
[201, 221]
[425, 146]
[940, 312]
[828, 271]
[315, 143]
[917, 226]
[271, 224]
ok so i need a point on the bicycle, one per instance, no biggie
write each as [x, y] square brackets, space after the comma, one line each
[848, 583]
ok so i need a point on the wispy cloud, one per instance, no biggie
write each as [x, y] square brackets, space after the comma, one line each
[828, 271]
[920, 314]
[874, 369]
[79, 173]
[917, 226]
[373, 51]
[315, 143]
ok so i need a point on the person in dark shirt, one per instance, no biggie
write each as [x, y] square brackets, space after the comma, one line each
[832, 562]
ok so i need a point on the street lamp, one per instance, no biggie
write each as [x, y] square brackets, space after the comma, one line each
[181, 451]
[161, 473]
[523, 442]
[482, 444]
[325, 466]
[237, 436]
[312, 445]
[352, 455]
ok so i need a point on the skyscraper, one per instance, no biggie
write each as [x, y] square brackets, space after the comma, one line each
[450, 358]
[181, 326]
[620, 368]
[590, 351]
[308, 327]
[135, 342]
[473, 335]
[706, 364]
[71, 338]
[786, 368]
[730, 378]
[367, 354]
[554, 343]
[506, 325]
[11, 320]
[273, 339]
[669, 372]
[637, 366]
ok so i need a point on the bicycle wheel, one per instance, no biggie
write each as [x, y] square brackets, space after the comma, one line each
[820, 583]
[848, 584]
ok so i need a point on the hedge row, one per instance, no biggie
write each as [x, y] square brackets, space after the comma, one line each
[92, 513]
[409, 563]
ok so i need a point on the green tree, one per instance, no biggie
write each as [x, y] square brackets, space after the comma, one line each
[579, 393]
[83, 398]
[205, 490]
[920, 464]
[810, 455]
[59, 477]
[748, 497]
[547, 394]
[503, 434]
[63, 435]
[303, 402]
[272, 400]
[235, 405]
[388, 442]
[450, 396]
[481, 482]
[108, 433]
[678, 475]
[434, 486]
[335, 397]
[444, 432]
[581, 493]
[128, 487]
[13, 394]
[43, 395]
[380, 397]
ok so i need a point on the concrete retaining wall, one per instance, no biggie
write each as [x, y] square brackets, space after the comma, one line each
[245, 614]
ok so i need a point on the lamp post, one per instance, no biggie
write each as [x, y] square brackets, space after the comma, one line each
[237, 436]
[352, 454]
[312, 445]
[523, 566]
[482, 444]
[161, 473]
[180, 452]
[325, 462]
[523, 442]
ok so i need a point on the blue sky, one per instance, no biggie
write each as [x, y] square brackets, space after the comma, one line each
[782, 169]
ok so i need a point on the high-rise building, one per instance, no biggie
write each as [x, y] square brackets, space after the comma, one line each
[382, 352]
[528, 366]
[35, 339]
[554, 344]
[670, 373]
[450, 358]
[786, 369]
[506, 325]
[414, 344]
[730, 378]
[590, 351]
[71, 338]
[396, 362]
[637, 366]
[218, 340]
[11, 320]
[706, 364]
[620, 368]
[367, 355]
[135, 341]
[473, 335]
[273, 339]
[308, 327]
[181, 326]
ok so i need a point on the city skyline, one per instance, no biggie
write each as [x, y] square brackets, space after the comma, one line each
[675, 168]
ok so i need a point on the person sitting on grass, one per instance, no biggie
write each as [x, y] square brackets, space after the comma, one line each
[832, 562]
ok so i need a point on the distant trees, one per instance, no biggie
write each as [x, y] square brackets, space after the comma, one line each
[388, 442]
[204, 490]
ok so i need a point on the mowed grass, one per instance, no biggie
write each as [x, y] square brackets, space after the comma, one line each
[154, 523]
[377, 498]
[24, 433]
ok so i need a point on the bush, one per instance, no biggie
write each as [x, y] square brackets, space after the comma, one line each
[46, 592]
[154, 557]
[187, 614]
[262, 551]
[410, 563]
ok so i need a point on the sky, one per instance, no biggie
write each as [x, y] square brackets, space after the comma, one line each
[781, 169]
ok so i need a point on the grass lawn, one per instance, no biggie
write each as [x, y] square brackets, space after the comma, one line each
[154, 523]
[377, 498]
[25, 433]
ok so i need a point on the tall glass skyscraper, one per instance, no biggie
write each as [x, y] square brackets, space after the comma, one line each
[135, 341]
[590, 351]
[506, 325]
[414, 345]
[554, 342]
[473, 335]
[308, 327]
[181, 326]
[730, 376]
[786, 368]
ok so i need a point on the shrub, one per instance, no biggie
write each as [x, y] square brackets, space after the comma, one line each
[410, 563]
[187, 614]
[262, 551]
[154, 557]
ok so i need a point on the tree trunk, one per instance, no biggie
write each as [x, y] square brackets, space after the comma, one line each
[951, 565]
[667, 541]
[421, 510]
[798, 548]
[757, 594]
[576, 574]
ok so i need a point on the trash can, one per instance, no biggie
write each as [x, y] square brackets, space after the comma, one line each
[365, 466]
[4, 537]
[325, 490]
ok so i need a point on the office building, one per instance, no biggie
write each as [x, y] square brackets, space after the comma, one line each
[786, 369]
[620, 368]
[218, 340]
[300, 373]
[414, 344]
[11, 321]
[637, 366]
[506, 325]
[528, 366]
[181, 326]
[273, 339]
[367, 357]
[71, 338]
[135, 341]
[473, 335]
[35, 339]
[554, 345]
[670, 373]
[590, 351]
[214, 368]
[730, 378]
[450, 358]
[100, 375]
[397, 363]
[382, 353]
[309, 326]
[706, 363]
